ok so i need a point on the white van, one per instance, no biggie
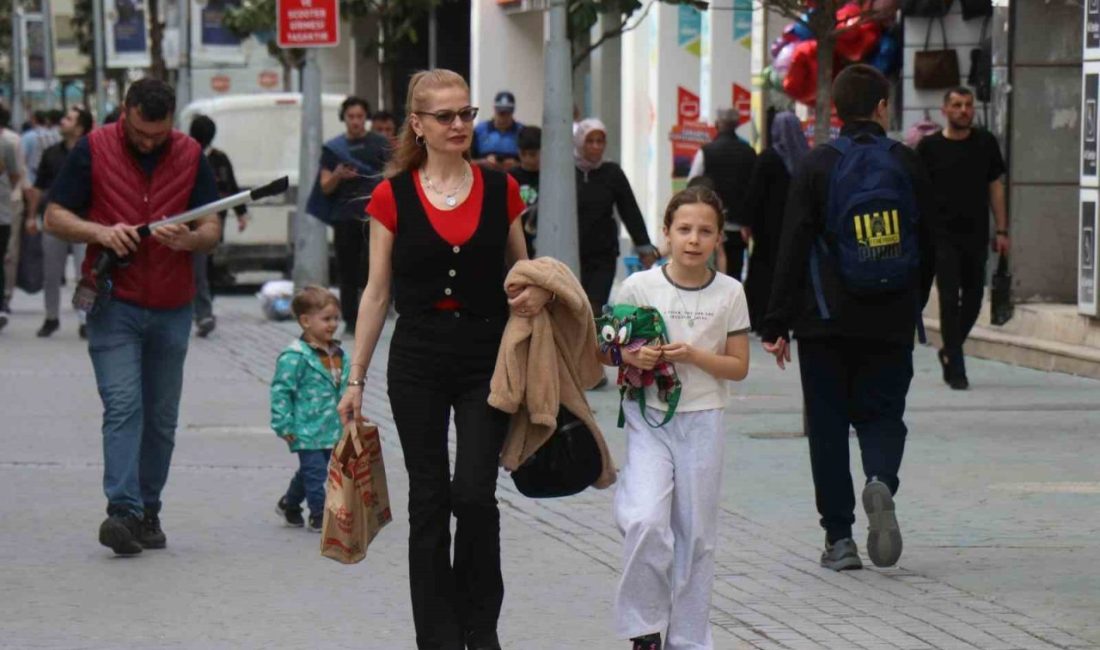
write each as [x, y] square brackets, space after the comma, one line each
[261, 134]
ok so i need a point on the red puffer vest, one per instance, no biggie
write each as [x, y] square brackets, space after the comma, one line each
[157, 277]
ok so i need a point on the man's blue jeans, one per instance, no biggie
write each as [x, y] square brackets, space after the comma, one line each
[138, 356]
[309, 481]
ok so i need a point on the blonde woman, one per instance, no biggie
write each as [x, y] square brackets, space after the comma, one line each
[444, 232]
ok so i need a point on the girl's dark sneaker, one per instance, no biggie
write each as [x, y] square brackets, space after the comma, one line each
[152, 535]
[291, 515]
[315, 521]
[121, 533]
[647, 642]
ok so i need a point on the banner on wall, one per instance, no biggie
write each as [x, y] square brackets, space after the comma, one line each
[36, 66]
[687, 139]
[687, 106]
[742, 22]
[742, 103]
[211, 41]
[689, 33]
[127, 33]
[67, 58]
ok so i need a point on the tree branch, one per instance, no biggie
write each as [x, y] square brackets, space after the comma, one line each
[612, 33]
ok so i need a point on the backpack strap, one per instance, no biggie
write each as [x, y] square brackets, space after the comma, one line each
[673, 400]
[815, 280]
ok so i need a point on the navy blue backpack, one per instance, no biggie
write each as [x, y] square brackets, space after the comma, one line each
[870, 223]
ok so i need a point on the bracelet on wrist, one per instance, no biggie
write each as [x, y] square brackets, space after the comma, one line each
[358, 383]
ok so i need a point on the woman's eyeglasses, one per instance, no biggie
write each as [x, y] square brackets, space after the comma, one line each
[446, 118]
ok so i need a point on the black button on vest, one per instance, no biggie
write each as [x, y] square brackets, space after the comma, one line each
[428, 269]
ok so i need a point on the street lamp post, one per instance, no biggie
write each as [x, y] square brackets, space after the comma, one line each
[557, 234]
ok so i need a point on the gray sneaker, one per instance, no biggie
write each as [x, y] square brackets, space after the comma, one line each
[883, 534]
[841, 555]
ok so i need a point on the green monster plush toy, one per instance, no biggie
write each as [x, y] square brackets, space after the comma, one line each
[630, 327]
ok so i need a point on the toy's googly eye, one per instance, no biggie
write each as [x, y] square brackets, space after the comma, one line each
[607, 333]
[623, 334]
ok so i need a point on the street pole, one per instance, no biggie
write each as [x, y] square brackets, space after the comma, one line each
[100, 82]
[557, 236]
[433, 38]
[183, 73]
[17, 63]
[310, 234]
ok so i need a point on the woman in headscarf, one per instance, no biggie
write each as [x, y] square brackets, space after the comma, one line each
[601, 187]
[766, 201]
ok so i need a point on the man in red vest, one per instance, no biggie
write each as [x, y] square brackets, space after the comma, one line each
[115, 179]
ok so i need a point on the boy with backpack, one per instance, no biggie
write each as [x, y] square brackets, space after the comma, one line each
[855, 269]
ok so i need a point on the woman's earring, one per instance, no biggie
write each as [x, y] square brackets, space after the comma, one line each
[419, 141]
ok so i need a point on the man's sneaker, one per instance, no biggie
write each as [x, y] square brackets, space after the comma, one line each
[959, 382]
[206, 325]
[121, 533]
[291, 515]
[152, 536]
[482, 640]
[841, 555]
[647, 642]
[50, 326]
[315, 521]
[883, 534]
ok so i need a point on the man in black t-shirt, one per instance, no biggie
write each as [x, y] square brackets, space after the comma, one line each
[351, 167]
[966, 168]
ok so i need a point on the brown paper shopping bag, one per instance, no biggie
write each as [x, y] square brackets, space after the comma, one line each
[357, 501]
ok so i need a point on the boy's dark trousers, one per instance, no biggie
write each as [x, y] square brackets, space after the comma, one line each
[441, 363]
[309, 481]
[960, 282]
[861, 383]
[351, 239]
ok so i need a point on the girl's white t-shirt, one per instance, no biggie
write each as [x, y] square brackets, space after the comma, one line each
[719, 310]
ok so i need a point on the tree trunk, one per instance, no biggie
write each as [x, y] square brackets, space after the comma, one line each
[157, 69]
[823, 25]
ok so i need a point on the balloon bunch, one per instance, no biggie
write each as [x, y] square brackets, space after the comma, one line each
[864, 33]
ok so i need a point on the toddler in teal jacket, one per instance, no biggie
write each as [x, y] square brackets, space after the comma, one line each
[310, 376]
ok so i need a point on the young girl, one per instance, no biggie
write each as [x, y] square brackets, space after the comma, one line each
[666, 504]
[310, 376]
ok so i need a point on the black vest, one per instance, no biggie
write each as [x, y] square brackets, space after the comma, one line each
[728, 163]
[427, 269]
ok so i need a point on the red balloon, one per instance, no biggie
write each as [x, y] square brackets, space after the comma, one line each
[801, 80]
[857, 35]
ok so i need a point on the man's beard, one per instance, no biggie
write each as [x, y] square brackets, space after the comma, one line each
[961, 126]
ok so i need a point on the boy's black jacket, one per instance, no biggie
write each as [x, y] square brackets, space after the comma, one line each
[887, 318]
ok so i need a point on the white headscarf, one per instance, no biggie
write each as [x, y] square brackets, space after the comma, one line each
[585, 127]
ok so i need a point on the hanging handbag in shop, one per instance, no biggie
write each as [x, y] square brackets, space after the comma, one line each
[567, 463]
[976, 8]
[980, 77]
[926, 8]
[936, 69]
[1001, 308]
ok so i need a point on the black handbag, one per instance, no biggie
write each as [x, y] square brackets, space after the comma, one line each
[980, 77]
[976, 8]
[926, 8]
[936, 69]
[30, 273]
[1001, 308]
[569, 462]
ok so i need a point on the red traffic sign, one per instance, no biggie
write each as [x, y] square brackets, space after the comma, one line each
[308, 23]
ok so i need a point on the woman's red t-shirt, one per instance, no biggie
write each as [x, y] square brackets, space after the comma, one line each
[455, 226]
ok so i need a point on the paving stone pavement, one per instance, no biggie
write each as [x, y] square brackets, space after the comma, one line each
[561, 556]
